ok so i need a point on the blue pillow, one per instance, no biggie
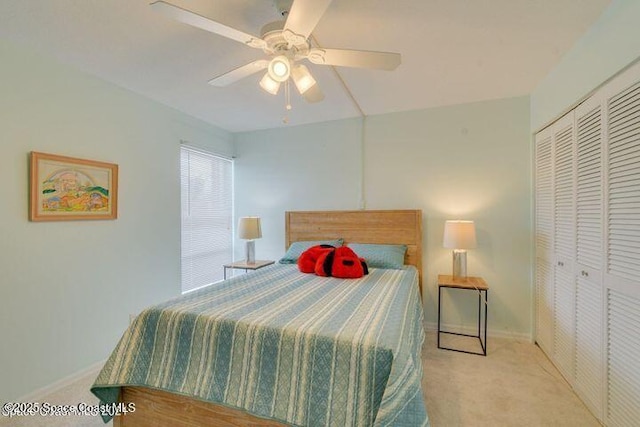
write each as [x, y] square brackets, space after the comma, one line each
[380, 256]
[296, 249]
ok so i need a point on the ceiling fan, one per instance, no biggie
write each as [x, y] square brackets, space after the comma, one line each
[286, 43]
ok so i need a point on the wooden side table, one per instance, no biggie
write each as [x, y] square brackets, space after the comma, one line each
[244, 265]
[472, 283]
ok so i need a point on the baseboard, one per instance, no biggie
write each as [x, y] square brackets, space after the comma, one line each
[519, 336]
[40, 393]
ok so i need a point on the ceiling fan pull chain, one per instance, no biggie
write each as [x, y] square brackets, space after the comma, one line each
[287, 95]
[287, 99]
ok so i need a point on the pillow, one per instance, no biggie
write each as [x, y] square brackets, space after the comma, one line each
[381, 256]
[296, 249]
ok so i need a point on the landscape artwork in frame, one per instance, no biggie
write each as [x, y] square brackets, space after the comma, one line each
[66, 188]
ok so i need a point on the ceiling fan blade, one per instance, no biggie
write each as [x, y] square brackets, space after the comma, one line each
[355, 58]
[207, 24]
[239, 73]
[304, 16]
[313, 94]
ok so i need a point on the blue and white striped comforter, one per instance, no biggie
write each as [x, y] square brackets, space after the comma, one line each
[298, 348]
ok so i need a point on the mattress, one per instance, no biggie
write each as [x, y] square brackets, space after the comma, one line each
[297, 348]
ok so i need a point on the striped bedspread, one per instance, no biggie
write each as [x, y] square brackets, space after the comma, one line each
[298, 348]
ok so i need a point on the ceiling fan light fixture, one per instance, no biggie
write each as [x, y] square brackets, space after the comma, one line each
[269, 85]
[285, 43]
[279, 68]
[302, 78]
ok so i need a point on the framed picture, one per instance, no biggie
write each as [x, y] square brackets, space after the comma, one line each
[65, 188]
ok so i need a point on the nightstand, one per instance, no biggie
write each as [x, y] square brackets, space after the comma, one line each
[243, 265]
[470, 283]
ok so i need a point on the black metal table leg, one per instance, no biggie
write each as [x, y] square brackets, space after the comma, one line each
[480, 333]
[486, 319]
[439, 305]
[479, 311]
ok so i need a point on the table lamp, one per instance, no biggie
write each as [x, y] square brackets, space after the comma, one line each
[459, 235]
[249, 229]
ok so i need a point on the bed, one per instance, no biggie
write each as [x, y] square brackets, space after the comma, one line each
[279, 347]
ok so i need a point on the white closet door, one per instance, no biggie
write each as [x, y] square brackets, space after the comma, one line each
[589, 361]
[622, 275]
[592, 253]
[544, 239]
[623, 257]
[623, 401]
[564, 245]
[589, 186]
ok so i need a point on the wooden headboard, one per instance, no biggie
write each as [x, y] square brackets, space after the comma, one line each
[400, 227]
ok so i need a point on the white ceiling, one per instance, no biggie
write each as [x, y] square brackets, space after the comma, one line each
[453, 51]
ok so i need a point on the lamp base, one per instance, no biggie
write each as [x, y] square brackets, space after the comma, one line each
[250, 252]
[459, 264]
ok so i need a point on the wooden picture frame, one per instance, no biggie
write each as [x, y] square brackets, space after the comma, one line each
[66, 189]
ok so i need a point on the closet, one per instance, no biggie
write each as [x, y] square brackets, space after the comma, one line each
[587, 248]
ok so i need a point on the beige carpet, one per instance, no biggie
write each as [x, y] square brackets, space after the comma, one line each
[515, 385]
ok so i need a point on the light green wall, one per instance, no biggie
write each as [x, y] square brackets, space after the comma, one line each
[67, 288]
[298, 168]
[468, 161]
[610, 44]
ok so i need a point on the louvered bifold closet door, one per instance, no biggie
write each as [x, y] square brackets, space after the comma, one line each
[624, 372]
[622, 276]
[564, 245]
[544, 239]
[589, 359]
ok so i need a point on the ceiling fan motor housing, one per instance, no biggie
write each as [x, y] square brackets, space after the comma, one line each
[279, 42]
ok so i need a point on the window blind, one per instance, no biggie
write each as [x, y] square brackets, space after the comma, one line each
[207, 217]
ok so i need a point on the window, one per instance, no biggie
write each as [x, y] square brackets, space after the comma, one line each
[207, 217]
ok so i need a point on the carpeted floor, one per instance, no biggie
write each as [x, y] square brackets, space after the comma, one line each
[515, 385]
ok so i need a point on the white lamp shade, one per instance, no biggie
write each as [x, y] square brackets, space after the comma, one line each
[249, 228]
[302, 78]
[269, 85]
[459, 234]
